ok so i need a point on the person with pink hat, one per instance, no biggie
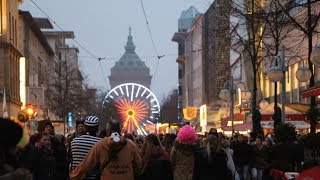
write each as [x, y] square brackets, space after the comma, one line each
[182, 153]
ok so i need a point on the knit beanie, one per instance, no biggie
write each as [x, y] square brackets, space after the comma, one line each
[187, 135]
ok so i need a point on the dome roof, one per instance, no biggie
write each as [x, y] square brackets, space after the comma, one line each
[130, 60]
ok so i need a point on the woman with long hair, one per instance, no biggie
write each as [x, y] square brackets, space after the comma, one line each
[155, 159]
[211, 161]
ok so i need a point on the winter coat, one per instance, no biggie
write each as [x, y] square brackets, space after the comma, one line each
[46, 168]
[259, 157]
[159, 167]
[242, 154]
[60, 155]
[182, 160]
[121, 167]
[216, 170]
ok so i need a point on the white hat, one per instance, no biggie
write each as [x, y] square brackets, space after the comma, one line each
[91, 121]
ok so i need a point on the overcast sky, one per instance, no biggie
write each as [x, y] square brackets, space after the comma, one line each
[101, 26]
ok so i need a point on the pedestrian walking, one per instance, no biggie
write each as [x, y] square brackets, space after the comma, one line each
[211, 161]
[182, 153]
[80, 146]
[259, 159]
[155, 159]
[117, 157]
[242, 156]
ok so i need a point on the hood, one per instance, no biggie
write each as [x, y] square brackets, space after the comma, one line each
[115, 147]
[185, 148]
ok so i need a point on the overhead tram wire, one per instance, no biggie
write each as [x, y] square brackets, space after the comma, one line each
[82, 47]
[151, 37]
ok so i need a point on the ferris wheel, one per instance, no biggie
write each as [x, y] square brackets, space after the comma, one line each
[137, 107]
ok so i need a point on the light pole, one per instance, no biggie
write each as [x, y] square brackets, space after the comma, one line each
[277, 73]
[228, 93]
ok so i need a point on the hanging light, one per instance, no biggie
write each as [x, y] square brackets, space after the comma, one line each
[303, 74]
[225, 94]
[263, 104]
[315, 56]
[275, 74]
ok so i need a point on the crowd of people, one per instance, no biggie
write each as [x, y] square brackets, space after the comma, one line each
[181, 156]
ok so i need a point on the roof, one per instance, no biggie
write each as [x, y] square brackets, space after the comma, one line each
[130, 60]
[302, 108]
[270, 109]
[190, 13]
[64, 34]
[186, 18]
[43, 23]
[33, 25]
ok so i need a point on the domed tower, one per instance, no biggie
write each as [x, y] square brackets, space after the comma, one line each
[130, 68]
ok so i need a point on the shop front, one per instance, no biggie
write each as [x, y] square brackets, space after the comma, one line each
[294, 117]
[241, 124]
[311, 92]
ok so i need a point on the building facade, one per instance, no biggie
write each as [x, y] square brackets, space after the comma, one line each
[37, 56]
[10, 55]
[185, 22]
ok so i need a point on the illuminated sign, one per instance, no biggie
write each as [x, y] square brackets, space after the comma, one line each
[70, 119]
[234, 123]
[203, 115]
[190, 113]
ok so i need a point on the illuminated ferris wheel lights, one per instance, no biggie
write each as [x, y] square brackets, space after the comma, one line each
[138, 91]
[134, 106]
[150, 122]
[143, 92]
[121, 91]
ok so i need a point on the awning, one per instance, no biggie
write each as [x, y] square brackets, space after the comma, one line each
[314, 91]
[289, 117]
[291, 114]
[239, 123]
[302, 108]
[238, 127]
[297, 124]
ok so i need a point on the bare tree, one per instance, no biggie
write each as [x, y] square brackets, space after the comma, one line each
[262, 28]
[305, 15]
[65, 85]
[169, 108]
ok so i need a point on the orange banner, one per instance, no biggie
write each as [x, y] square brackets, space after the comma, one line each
[190, 113]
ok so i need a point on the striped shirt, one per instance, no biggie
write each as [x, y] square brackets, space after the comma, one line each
[80, 147]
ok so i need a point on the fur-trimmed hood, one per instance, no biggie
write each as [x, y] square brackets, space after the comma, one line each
[185, 148]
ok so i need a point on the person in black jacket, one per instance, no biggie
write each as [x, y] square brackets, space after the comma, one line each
[242, 156]
[211, 161]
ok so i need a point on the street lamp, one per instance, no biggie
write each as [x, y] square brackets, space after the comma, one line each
[228, 93]
[277, 73]
[263, 104]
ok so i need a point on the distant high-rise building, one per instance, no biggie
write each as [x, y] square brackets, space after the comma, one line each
[130, 68]
[186, 18]
[185, 22]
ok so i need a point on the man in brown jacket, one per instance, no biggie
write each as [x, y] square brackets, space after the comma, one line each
[117, 157]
